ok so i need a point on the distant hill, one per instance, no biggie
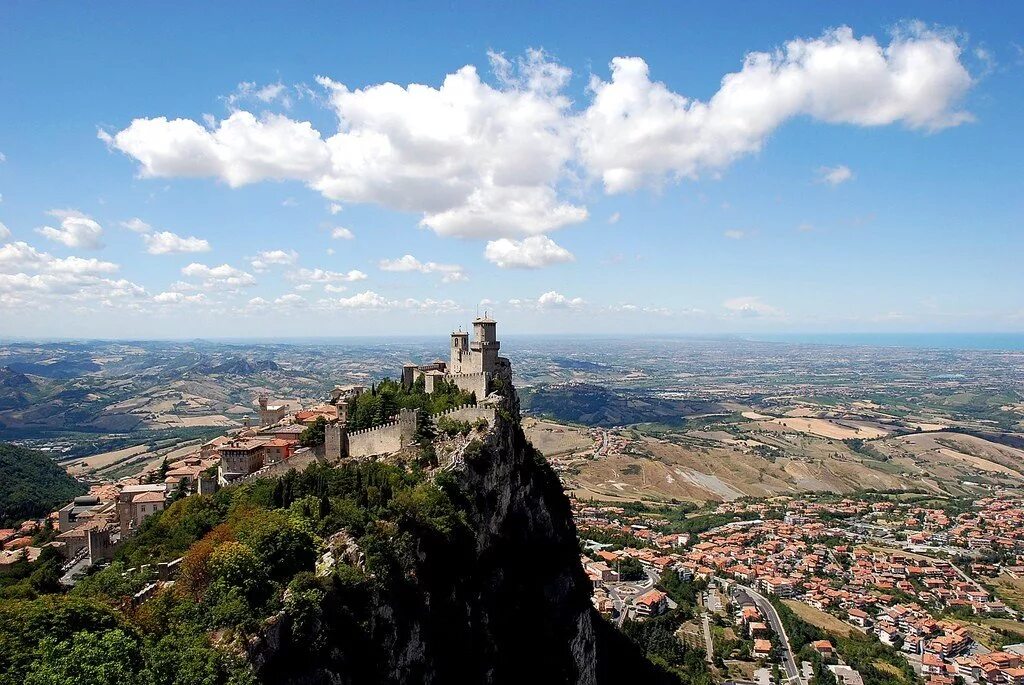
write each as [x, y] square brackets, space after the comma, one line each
[240, 366]
[9, 378]
[595, 405]
[31, 484]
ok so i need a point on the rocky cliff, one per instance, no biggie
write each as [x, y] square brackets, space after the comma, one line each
[502, 598]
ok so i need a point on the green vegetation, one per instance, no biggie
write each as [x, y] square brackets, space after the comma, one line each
[630, 569]
[242, 549]
[385, 399]
[877, 663]
[32, 485]
[657, 638]
[313, 436]
[452, 427]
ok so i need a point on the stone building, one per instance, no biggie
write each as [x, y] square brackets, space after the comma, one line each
[271, 413]
[473, 365]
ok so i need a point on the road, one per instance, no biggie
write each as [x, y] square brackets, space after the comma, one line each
[766, 608]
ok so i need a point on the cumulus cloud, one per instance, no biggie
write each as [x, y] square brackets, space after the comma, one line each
[369, 300]
[136, 224]
[172, 297]
[734, 234]
[223, 277]
[165, 242]
[75, 230]
[324, 276]
[751, 307]
[637, 130]
[834, 175]
[291, 300]
[549, 300]
[529, 253]
[29, 277]
[264, 260]
[449, 272]
[472, 159]
[492, 161]
[341, 233]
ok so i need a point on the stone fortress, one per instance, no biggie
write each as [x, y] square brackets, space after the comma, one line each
[474, 367]
[272, 448]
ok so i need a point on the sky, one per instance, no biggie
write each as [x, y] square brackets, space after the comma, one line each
[269, 170]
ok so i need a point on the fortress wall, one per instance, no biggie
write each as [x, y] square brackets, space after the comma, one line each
[469, 413]
[472, 382]
[384, 439]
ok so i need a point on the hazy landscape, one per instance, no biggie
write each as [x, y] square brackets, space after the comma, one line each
[673, 418]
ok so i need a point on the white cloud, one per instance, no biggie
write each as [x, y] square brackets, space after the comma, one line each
[529, 253]
[834, 175]
[173, 297]
[638, 131]
[751, 307]
[334, 208]
[369, 300]
[341, 233]
[614, 218]
[5, 232]
[264, 260]
[324, 276]
[549, 300]
[449, 272]
[472, 159]
[483, 161]
[242, 149]
[20, 256]
[166, 242]
[223, 277]
[76, 230]
[136, 224]
[30, 278]
[735, 234]
[290, 300]
[248, 90]
[556, 300]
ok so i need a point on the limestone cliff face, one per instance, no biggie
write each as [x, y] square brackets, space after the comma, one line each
[504, 601]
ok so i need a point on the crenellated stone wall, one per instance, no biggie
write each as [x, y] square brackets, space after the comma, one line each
[468, 412]
[384, 439]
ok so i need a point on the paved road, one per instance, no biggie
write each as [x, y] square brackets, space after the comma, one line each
[775, 622]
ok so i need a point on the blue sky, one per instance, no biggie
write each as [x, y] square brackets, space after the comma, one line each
[850, 179]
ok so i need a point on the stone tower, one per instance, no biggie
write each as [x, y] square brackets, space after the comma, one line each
[460, 352]
[485, 345]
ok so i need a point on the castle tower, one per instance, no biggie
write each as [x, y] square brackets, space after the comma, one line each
[460, 351]
[408, 375]
[485, 344]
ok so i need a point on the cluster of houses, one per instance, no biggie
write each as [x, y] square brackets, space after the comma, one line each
[819, 554]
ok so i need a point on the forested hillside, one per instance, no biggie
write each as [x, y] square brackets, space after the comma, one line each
[31, 484]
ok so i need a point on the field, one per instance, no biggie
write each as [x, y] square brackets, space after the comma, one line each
[819, 618]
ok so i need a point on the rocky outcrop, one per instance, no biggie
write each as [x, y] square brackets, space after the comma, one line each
[503, 599]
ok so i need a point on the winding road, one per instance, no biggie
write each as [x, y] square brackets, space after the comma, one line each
[766, 608]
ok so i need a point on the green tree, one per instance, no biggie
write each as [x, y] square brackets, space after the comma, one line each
[314, 435]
